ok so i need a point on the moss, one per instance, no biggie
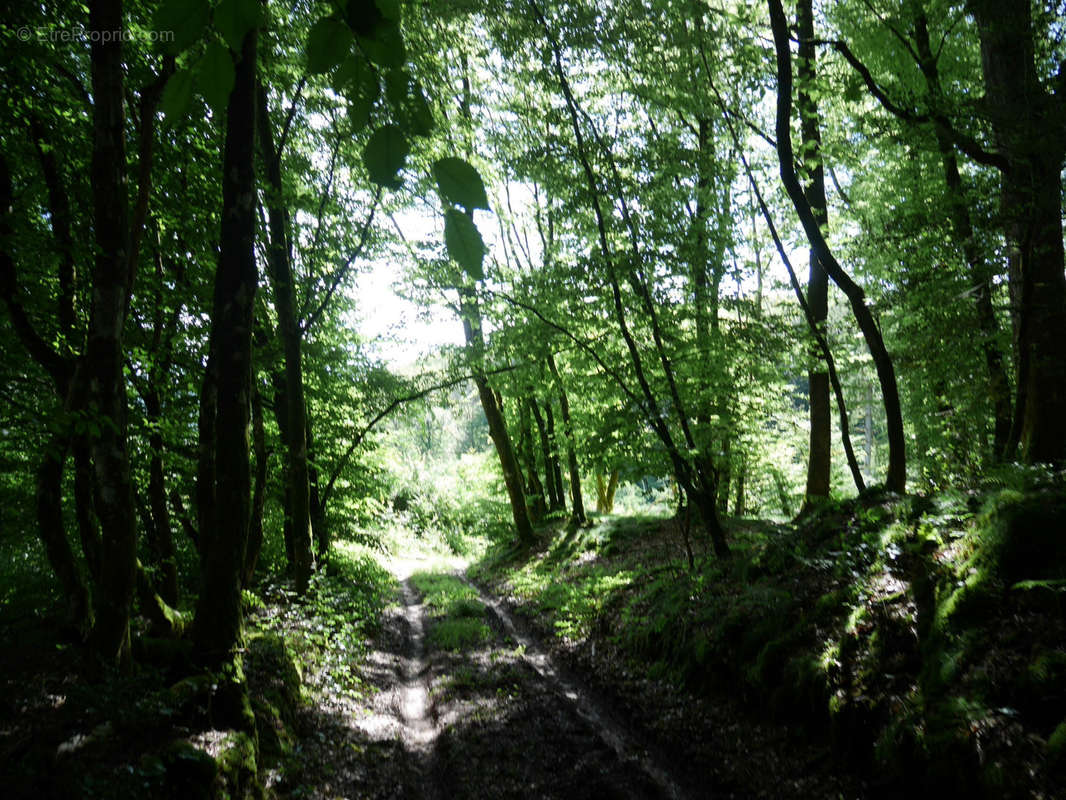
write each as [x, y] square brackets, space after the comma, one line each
[1020, 536]
[1056, 748]
[237, 777]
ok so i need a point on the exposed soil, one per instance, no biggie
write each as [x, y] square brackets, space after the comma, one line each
[509, 718]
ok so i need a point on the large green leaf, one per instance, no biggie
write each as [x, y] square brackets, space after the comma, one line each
[460, 183]
[327, 45]
[234, 18]
[385, 155]
[417, 114]
[464, 243]
[215, 76]
[183, 22]
[385, 45]
[177, 95]
[390, 9]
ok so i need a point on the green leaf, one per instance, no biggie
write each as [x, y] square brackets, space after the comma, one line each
[177, 95]
[385, 46]
[385, 155]
[185, 19]
[327, 44]
[234, 18]
[418, 116]
[460, 183]
[390, 9]
[397, 82]
[464, 243]
[215, 76]
[359, 113]
[349, 73]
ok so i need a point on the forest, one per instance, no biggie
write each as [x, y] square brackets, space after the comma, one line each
[533, 398]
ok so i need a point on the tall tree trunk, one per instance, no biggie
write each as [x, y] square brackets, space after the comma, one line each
[896, 477]
[218, 610]
[556, 464]
[981, 272]
[577, 511]
[512, 475]
[697, 476]
[84, 506]
[1029, 134]
[818, 460]
[280, 406]
[318, 508]
[104, 355]
[279, 266]
[56, 545]
[161, 537]
[534, 488]
[555, 494]
[255, 526]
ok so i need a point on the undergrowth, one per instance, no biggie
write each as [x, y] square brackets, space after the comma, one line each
[925, 636]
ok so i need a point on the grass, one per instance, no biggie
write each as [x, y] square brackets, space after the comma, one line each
[457, 616]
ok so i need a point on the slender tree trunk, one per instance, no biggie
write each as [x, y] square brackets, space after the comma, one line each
[162, 540]
[556, 465]
[218, 611]
[555, 495]
[981, 272]
[318, 507]
[280, 406]
[697, 476]
[512, 475]
[605, 490]
[1028, 131]
[104, 355]
[738, 508]
[818, 461]
[534, 488]
[255, 527]
[896, 478]
[279, 265]
[577, 513]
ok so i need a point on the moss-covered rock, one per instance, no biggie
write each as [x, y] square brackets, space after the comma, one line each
[237, 777]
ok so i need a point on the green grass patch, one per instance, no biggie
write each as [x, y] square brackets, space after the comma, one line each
[458, 633]
[457, 616]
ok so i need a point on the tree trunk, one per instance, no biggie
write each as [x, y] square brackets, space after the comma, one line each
[1027, 128]
[279, 267]
[280, 406]
[104, 355]
[512, 476]
[534, 488]
[218, 611]
[896, 477]
[161, 537]
[555, 494]
[577, 512]
[818, 461]
[981, 272]
[56, 545]
[255, 526]
[556, 466]
[318, 507]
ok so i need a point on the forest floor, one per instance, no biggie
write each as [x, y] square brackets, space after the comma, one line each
[464, 699]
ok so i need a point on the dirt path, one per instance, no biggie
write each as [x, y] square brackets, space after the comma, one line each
[493, 718]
